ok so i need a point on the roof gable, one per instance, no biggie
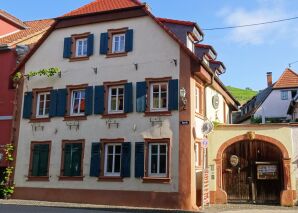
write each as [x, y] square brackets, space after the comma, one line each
[102, 5]
[288, 79]
[12, 19]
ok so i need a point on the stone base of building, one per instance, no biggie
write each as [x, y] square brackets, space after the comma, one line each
[170, 200]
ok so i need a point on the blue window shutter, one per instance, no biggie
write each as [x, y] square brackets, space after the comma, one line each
[99, 107]
[53, 103]
[128, 40]
[104, 41]
[173, 94]
[89, 100]
[128, 105]
[141, 96]
[125, 159]
[61, 102]
[27, 108]
[139, 159]
[95, 160]
[67, 47]
[90, 44]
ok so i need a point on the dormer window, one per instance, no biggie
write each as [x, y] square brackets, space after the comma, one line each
[190, 43]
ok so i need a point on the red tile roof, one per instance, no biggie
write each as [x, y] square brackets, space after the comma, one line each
[173, 21]
[103, 5]
[33, 28]
[288, 79]
[12, 19]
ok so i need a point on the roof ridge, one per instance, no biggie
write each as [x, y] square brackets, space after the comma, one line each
[12, 18]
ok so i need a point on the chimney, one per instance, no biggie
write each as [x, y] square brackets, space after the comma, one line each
[269, 79]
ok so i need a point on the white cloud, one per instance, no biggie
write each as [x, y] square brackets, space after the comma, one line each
[266, 11]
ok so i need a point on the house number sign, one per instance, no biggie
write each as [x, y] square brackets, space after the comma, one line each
[234, 160]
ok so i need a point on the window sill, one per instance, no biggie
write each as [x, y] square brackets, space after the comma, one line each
[161, 113]
[79, 59]
[110, 179]
[37, 178]
[113, 55]
[39, 120]
[116, 115]
[74, 178]
[75, 118]
[156, 180]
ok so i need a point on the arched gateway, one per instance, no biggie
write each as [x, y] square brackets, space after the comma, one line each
[253, 168]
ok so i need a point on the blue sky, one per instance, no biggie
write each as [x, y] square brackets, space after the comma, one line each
[248, 53]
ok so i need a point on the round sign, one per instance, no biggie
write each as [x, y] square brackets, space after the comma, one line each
[234, 160]
[215, 101]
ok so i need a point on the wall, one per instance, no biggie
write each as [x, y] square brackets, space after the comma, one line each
[281, 133]
[6, 28]
[273, 106]
[153, 54]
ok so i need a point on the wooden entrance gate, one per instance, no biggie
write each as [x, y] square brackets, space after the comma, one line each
[252, 172]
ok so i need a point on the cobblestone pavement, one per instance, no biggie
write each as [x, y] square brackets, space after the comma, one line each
[249, 208]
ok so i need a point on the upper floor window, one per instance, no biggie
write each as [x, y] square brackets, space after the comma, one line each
[116, 42]
[77, 102]
[159, 96]
[43, 105]
[293, 93]
[116, 99]
[118, 45]
[78, 46]
[284, 95]
[81, 47]
[112, 166]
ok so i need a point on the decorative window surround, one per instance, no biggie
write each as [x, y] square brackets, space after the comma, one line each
[35, 105]
[109, 113]
[151, 111]
[198, 154]
[116, 99]
[157, 177]
[36, 149]
[70, 103]
[116, 50]
[79, 177]
[199, 100]
[77, 53]
[110, 176]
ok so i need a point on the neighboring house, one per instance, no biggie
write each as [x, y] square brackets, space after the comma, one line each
[272, 104]
[16, 37]
[122, 123]
[293, 109]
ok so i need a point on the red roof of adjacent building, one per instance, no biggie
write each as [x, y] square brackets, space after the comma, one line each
[12, 19]
[180, 22]
[288, 79]
[33, 28]
[103, 5]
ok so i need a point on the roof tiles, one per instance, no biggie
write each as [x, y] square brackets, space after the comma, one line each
[288, 79]
[103, 5]
[33, 28]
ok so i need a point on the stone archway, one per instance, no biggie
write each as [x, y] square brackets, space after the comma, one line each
[287, 194]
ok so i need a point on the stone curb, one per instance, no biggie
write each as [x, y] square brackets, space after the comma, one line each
[87, 206]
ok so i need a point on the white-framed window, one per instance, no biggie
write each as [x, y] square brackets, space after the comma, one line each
[81, 47]
[190, 44]
[77, 102]
[112, 163]
[197, 99]
[284, 95]
[43, 105]
[158, 159]
[116, 99]
[197, 154]
[118, 45]
[159, 96]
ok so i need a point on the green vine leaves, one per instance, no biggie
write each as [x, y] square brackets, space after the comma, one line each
[43, 72]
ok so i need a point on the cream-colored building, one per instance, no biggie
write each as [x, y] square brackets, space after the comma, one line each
[120, 122]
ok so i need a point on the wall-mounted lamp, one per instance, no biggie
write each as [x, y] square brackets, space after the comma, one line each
[183, 97]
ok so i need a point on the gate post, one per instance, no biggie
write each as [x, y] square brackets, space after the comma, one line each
[287, 196]
[221, 196]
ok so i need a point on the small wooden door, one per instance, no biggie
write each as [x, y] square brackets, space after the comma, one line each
[240, 178]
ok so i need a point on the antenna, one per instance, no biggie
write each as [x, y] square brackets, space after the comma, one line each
[290, 64]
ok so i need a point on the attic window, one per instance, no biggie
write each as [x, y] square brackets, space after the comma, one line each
[190, 42]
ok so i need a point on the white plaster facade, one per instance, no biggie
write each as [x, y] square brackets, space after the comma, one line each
[154, 54]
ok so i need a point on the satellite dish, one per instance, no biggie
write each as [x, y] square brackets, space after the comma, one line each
[207, 127]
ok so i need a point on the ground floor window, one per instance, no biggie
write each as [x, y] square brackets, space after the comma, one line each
[72, 157]
[112, 166]
[39, 160]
